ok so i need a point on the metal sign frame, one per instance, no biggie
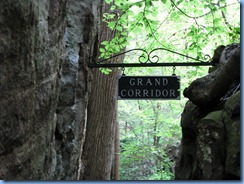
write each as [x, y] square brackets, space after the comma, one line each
[149, 59]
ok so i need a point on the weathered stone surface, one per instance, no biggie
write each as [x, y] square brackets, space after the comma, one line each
[31, 52]
[45, 46]
[207, 91]
[44, 49]
[231, 119]
[189, 120]
[210, 155]
[211, 151]
[82, 22]
[210, 145]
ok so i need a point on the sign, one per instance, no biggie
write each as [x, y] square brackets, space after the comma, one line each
[149, 87]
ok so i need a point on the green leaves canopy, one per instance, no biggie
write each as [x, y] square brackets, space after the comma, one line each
[194, 27]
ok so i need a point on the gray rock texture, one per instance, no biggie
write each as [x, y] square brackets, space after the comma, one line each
[45, 46]
[31, 52]
[210, 145]
[80, 37]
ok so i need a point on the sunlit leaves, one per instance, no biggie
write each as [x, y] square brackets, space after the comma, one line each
[145, 16]
[112, 24]
[141, 122]
[148, 3]
[174, 15]
[105, 70]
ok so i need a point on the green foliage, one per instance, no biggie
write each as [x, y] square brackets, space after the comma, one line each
[189, 26]
[143, 122]
[149, 129]
[105, 70]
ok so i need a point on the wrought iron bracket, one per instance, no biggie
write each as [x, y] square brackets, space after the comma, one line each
[148, 59]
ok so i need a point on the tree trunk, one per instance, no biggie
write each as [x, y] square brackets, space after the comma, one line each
[101, 119]
[117, 153]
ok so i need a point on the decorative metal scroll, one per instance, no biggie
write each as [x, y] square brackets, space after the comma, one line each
[150, 59]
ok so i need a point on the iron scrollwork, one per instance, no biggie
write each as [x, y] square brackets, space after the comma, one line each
[148, 59]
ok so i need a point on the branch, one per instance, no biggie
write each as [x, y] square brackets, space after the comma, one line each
[224, 17]
[189, 16]
[126, 11]
[181, 10]
[155, 31]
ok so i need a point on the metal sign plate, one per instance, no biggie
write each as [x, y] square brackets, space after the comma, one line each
[149, 87]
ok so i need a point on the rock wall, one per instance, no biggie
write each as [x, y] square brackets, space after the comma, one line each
[45, 46]
[210, 145]
[80, 37]
[31, 52]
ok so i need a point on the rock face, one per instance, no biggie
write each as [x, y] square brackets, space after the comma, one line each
[210, 145]
[45, 46]
[80, 37]
[31, 52]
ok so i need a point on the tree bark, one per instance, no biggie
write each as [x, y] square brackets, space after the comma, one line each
[101, 119]
[117, 153]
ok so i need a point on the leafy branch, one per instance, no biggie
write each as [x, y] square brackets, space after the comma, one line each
[136, 23]
[200, 16]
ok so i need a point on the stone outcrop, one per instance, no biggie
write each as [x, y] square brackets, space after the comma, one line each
[80, 37]
[210, 145]
[45, 46]
[31, 52]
